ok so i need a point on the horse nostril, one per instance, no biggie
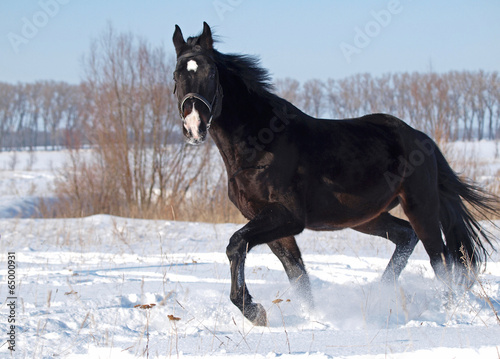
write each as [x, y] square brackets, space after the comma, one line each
[187, 109]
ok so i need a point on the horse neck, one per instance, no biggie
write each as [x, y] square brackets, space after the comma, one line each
[240, 117]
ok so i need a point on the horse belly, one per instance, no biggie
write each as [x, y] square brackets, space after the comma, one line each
[332, 210]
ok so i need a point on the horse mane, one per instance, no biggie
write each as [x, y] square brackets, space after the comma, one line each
[247, 68]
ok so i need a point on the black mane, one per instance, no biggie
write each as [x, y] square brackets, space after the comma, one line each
[248, 69]
[245, 67]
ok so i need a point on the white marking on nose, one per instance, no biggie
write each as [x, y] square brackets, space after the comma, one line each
[192, 65]
[192, 123]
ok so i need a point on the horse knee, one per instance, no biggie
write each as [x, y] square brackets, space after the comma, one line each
[237, 246]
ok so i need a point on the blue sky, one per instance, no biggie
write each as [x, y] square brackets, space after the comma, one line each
[299, 39]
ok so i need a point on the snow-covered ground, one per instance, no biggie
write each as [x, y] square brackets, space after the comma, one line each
[78, 282]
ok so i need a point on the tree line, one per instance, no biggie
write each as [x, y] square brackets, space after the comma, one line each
[41, 114]
[456, 105]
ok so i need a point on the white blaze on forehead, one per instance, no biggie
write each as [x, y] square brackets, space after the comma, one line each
[192, 65]
[192, 123]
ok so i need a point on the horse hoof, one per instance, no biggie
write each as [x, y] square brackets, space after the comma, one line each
[258, 315]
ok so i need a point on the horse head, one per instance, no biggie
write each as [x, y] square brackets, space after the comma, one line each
[197, 86]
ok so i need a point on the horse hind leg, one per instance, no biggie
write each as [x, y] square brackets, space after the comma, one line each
[288, 253]
[398, 231]
[422, 209]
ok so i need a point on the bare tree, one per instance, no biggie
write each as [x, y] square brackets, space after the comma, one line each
[289, 89]
[138, 167]
[7, 97]
[313, 97]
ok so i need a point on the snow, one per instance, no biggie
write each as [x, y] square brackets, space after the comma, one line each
[78, 282]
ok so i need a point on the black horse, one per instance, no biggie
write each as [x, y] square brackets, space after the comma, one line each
[288, 171]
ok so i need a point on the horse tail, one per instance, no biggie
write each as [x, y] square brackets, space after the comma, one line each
[466, 240]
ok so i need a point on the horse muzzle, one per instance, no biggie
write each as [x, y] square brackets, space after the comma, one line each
[194, 122]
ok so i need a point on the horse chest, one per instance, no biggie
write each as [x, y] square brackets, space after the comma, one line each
[249, 196]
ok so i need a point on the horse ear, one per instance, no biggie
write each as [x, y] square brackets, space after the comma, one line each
[178, 40]
[206, 40]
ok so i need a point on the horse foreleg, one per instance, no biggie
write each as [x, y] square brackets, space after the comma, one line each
[240, 296]
[288, 253]
[272, 223]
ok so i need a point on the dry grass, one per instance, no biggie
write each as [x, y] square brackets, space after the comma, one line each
[473, 277]
[193, 191]
[147, 308]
